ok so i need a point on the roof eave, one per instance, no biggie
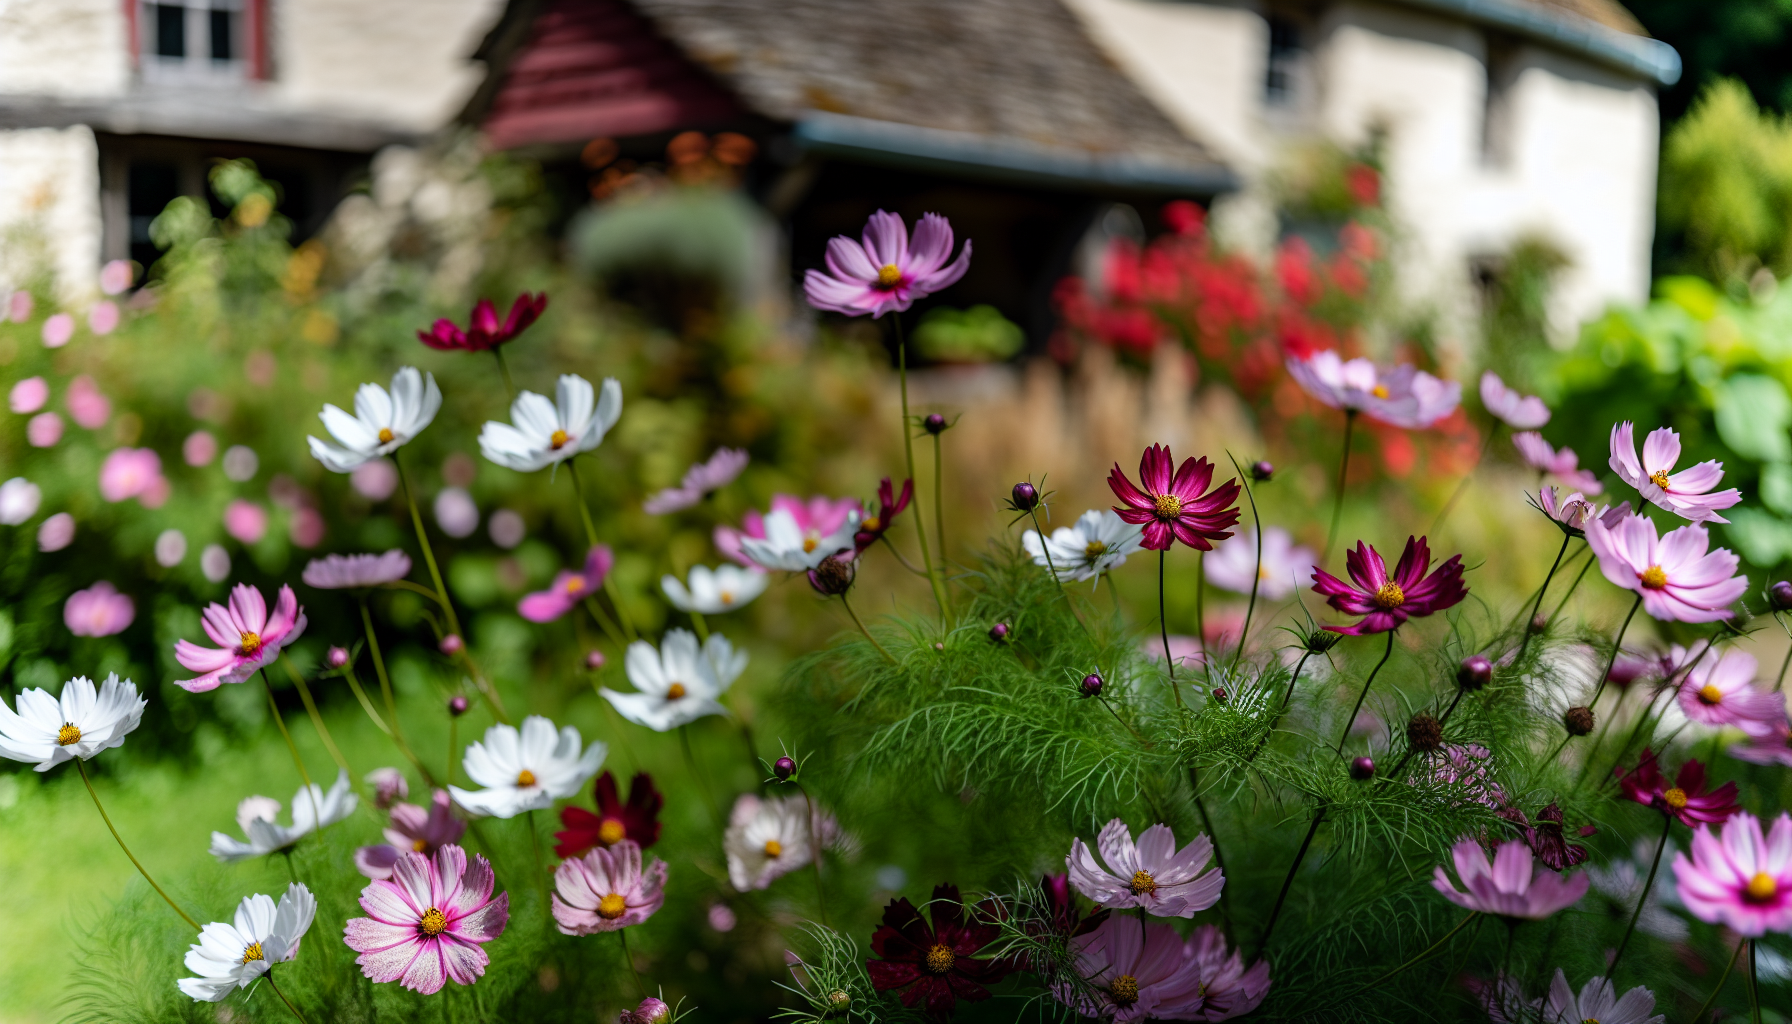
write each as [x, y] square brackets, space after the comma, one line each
[1646, 58]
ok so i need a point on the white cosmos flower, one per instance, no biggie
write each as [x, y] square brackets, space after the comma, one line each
[383, 422]
[1099, 541]
[1233, 564]
[680, 682]
[81, 724]
[19, 499]
[771, 837]
[787, 545]
[526, 770]
[713, 591]
[312, 809]
[547, 432]
[232, 956]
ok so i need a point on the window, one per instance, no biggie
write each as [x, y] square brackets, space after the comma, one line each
[171, 30]
[1281, 83]
[223, 34]
[197, 41]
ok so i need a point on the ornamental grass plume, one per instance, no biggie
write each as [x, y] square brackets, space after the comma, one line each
[1686, 799]
[1098, 541]
[236, 955]
[1176, 507]
[427, 924]
[1687, 493]
[527, 769]
[1674, 577]
[637, 821]
[1152, 874]
[1403, 396]
[1234, 564]
[1510, 886]
[888, 269]
[607, 889]
[568, 588]
[411, 829]
[248, 638]
[1386, 600]
[1720, 692]
[1742, 879]
[384, 421]
[78, 724]
[931, 962]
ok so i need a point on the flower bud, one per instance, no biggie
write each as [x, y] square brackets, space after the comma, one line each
[457, 705]
[1219, 694]
[594, 660]
[999, 632]
[1424, 733]
[934, 424]
[1091, 685]
[838, 1000]
[1321, 640]
[1779, 596]
[651, 1011]
[389, 787]
[1474, 672]
[1539, 622]
[938, 646]
[453, 644]
[833, 576]
[784, 767]
[1362, 769]
[1578, 720]
[1025, 496]
[1262, 471]
[337, 658]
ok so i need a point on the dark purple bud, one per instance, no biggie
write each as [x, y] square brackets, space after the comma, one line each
[594, 660]
[453, 644]
[1219, 694]
[457, 705]
[1578, 720]
[999, 632]
[1779, 596]
[1261, 472]
[337, 657]
[784, 767]
[1474, 672]
[833, 576]
[1091, 685]
[1026, 496]
[1362, 769]
[935, 424]
[1539, 623]
[652, 1011]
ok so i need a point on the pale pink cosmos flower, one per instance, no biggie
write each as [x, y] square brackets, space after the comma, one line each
[568, 588]
[346, 572]
[1744, 880]
[427, 924]
[607, 889]
[86, 406]
[1772, 747]
[102, 319]
[389, 785]
[888, 270]
[375, 479]
[1719, 692]
[1687, 493]
[56, 532]
[411, 830]
[116, 276]
[1572, 513]
[1520, 412]
[1233, 564]
[58, 330]
[1403, 396]
[1510, 886]
[199, 449]
[699, 480]
[1134, 972]
[44, 430]
[29, 395]
[1504, 1001]
[100, 610]
[18, 306]
[246, 521]
[1229, 990]
[1560, 463]
[247, 638]
[129, 473]
[1676, 577]
[1153, 874]
[306, 529]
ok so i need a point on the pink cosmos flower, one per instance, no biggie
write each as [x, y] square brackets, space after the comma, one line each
[568, 589]
[199, 449]
[1402, 397]
[699, 480]
[1520, 412]
[1743, 881]
[346, 572]
[29, 395]
[1175, 508]
[1233, 565]
[1229, 989]
[18, 306]
[1684, 493]
[389, 785]
[100, 610]
[484, 329]
[1571, 513]
[607, 889]
[1504, 1001]
[1687, 799]
[727, 539]
[888, 271]
[1153, 874]
[246, 521]
[86, 405]
[129, 473]
[58, 330]
[412, 830]
[1562, 463]
[1719, 693]
[247, 638]
[1134, 973]
[1677, 579]
[116, 276]
[56, 532]
[1510, 886]
[427, 922]
[44, 430]
[375, 479]
[103, 318]
[1385, 601]
[306, 529]
[1772, 747]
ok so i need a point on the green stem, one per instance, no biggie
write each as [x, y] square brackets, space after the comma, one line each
[1331, 537]
[295, 1010]
[1043, 546]
[504, 369]
[690, 760]
[453, 745]
[317, 721]
[1201, 613]
[1706, 1005]
[855, 621]
[293, 748]
[1287, 882]
[622, 933]
[1163, 625]
[1213, 837]
[1257, 577]
[1420, 958]
[610, 587]
[701, 626]
[603, 620]
[1617, 645]
[1286, 698]
[1754, 985]
[908, 452]
[1572, 587]
[541, 876]
[1348, 722]
[379, 670]
[1630, 929]
[184, 916]
[1780, 683]
[821, 902]
[1530, 620]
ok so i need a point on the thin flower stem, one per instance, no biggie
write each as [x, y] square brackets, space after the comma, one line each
[700, 626]
[1417, 959]
[1572, 587]
[415, 588]
[317, 721]
[939, 492]
[379, 669]
[609, 584]
[1617, 645]
[894, 550]
[504, 369]
[855, 621]
[1754, 985]
[1668, 686]
[1122, 721]
[908, 452]
[821, 900]
[295, 1010]
[541, 876]
[1299, 856]
[1213, 837]
[1442, 720]
[622, 933]
[1706, 1005]
[1642, 898]
[1286, 698]
[453, 745]
[291, 872]
[1474, 933]
[1163, 625]
[184, 916]
[1201, 614]
[1050, 566]
[1350, 721]
[293, 748]
[1530, 620]
[690, 760]
[604, 622]
[354, 684]
[1331, 537]
[1780, 683]
[1256, 577]
[1511, 935]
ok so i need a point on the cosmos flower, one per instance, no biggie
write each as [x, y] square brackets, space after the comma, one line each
[1176, 508]
[312, 809]
[100, 610]
[1598, 1001]
[1771, 747]
[1134, 972]
[1099, 541]
[1152, 874]
[1572, 513]
[19, 501]
[80, 723]
[568, 588]
[383, 421]
[1687, 493]
[889, 506]
[1233, 564]
[1520, 412]
[28, 395]
[680, 682]
[389, 785]
[932, 961]
[1385, 601]
[44, 430]
[798, 535]
[1060, 901]
[233, 956]
[887, 271]
[714, 591]
[1547, 837]
[542, 433]
[1229, 989]
[428, 922]
[637, 821]
[607, 889]
[484, 329]
[1686, 799]
[1676, 577]
[1561, 463]
[411, 830]
[1403, 396]
[767, 839]
[526, 770]
[247, 637]
[345, 572]
[246, 521]
[1744, 879]
[698, 482]
[130, 473]
[1719, 692]
[1510, 886]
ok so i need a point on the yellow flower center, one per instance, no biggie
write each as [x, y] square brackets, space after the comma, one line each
[675, 691]
[250, 643]
[434, 922]
[1654, 577]
[1659, 478]
[1142, 883]
[889, 276]
[525, 778]
[253, 952]
[1709, 694]
[69, 733]
[612, 907]
[1169, 506]
[871, 524]
[773, 848]
[727, 596]
[386, 435]
[1389, 595]
[558, 440]
[419, 845]
[1125, 990]
[940, 959]
[1379, 391]
[809, 544]
[1095, 549]
[1675, 798]
[1763, 887]
[576, 584]
[611, 832]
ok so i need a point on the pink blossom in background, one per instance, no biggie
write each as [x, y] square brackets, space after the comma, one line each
[29, 395]
[86, 405]
[888, 269]
[199, 449]
[103, 318]
[727, 538]
[340, 572]
[1184, 650]
[260, 368]
[1719, 691]
[100, 610]
[171, 548]
[456, 513]
[1687, 493]
[1560, 463]
[214, 562]
[156, 494]
[1401, 396]
[568, 589]
[246, 521]
[58, 330]
[56, 532]
[1509, 886]
[375, 480]
[44, 430]
[1518, 411]
[128, 473]
[459, 469]
[1165, 985]
[286, 491]
[241, 463]
[699, 480]
[116, 276]
[721, 918]
[412, 829]
[18, 306]
[307, 528]
[427, 924]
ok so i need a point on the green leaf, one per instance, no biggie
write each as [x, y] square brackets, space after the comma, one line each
[1753, 414]
[1776, 486]
[1764, 539]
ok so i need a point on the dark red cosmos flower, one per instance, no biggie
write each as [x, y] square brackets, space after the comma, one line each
[639, 819]
[484, 330]
[1066, 917]
[873, 526]
[1176, 508]
[934, 963]
[1387, 601]
[1547, 837]
[1686, 799]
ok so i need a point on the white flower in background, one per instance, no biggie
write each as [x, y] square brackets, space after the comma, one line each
[1233, 564]
[713, 591]
[787, 545]
[80, 724]
[19, 499]
[507, 528]
[547, 432]
[526, 770]
[171, 548]
[383, 422]
[241, 463]
[680, 682]
[232, 956]
[1099, 541]
[312, 809]
[772, 837]
[1621, 881]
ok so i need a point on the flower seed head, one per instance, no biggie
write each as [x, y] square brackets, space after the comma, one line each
[457, 705]
[784, 767]
[1261, 472]
[838, 1000]
[1320, 641]
[337, 657]
[1474, 672]
[1362, 769]
[594, 660]
[1000, 631]
[1425, 733]
[1779, 596]
[934, 424]
[1578, 720]
[453, 644]
[1025, 496]
[833, 576]
[1092, 685]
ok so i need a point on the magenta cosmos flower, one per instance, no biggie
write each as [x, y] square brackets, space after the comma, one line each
[1676, 577]
[100, 610]
[1743, 880]
[1176, 508]
[889, 270]
[1721, 692]
[699, 480]
[1510, 886]
[568, 589]
[412, 830]
[1385, 601]
[484, 329]
[1134, 972]
[427, 922]
[247, 638]
[1687, 493]
[1403, 396]
[1687, 799]
[1560, 463]
[607, 889]
[347, 572]
[1520, 412]
[1153, 874]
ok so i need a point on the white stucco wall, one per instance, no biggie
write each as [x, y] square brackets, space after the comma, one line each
[50, 208]
[64, 48]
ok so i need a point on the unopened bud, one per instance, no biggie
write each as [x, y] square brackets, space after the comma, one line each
[833, 576]
[1424, 733]
[1091, 685]
[938, 646]
[453, 644]
[1321, 640]
[784, 767]
[457, 705]
[934, 424]
[1362, 769]
[652, 1011]
[337, 657]
[1779, 596]
[1578, 720]
[1025, 496]
[999, 632]
[1539, 622]
[594, 660]
[1474, 672]
[838, 1000]
[1219, 694]
[1261, 472]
